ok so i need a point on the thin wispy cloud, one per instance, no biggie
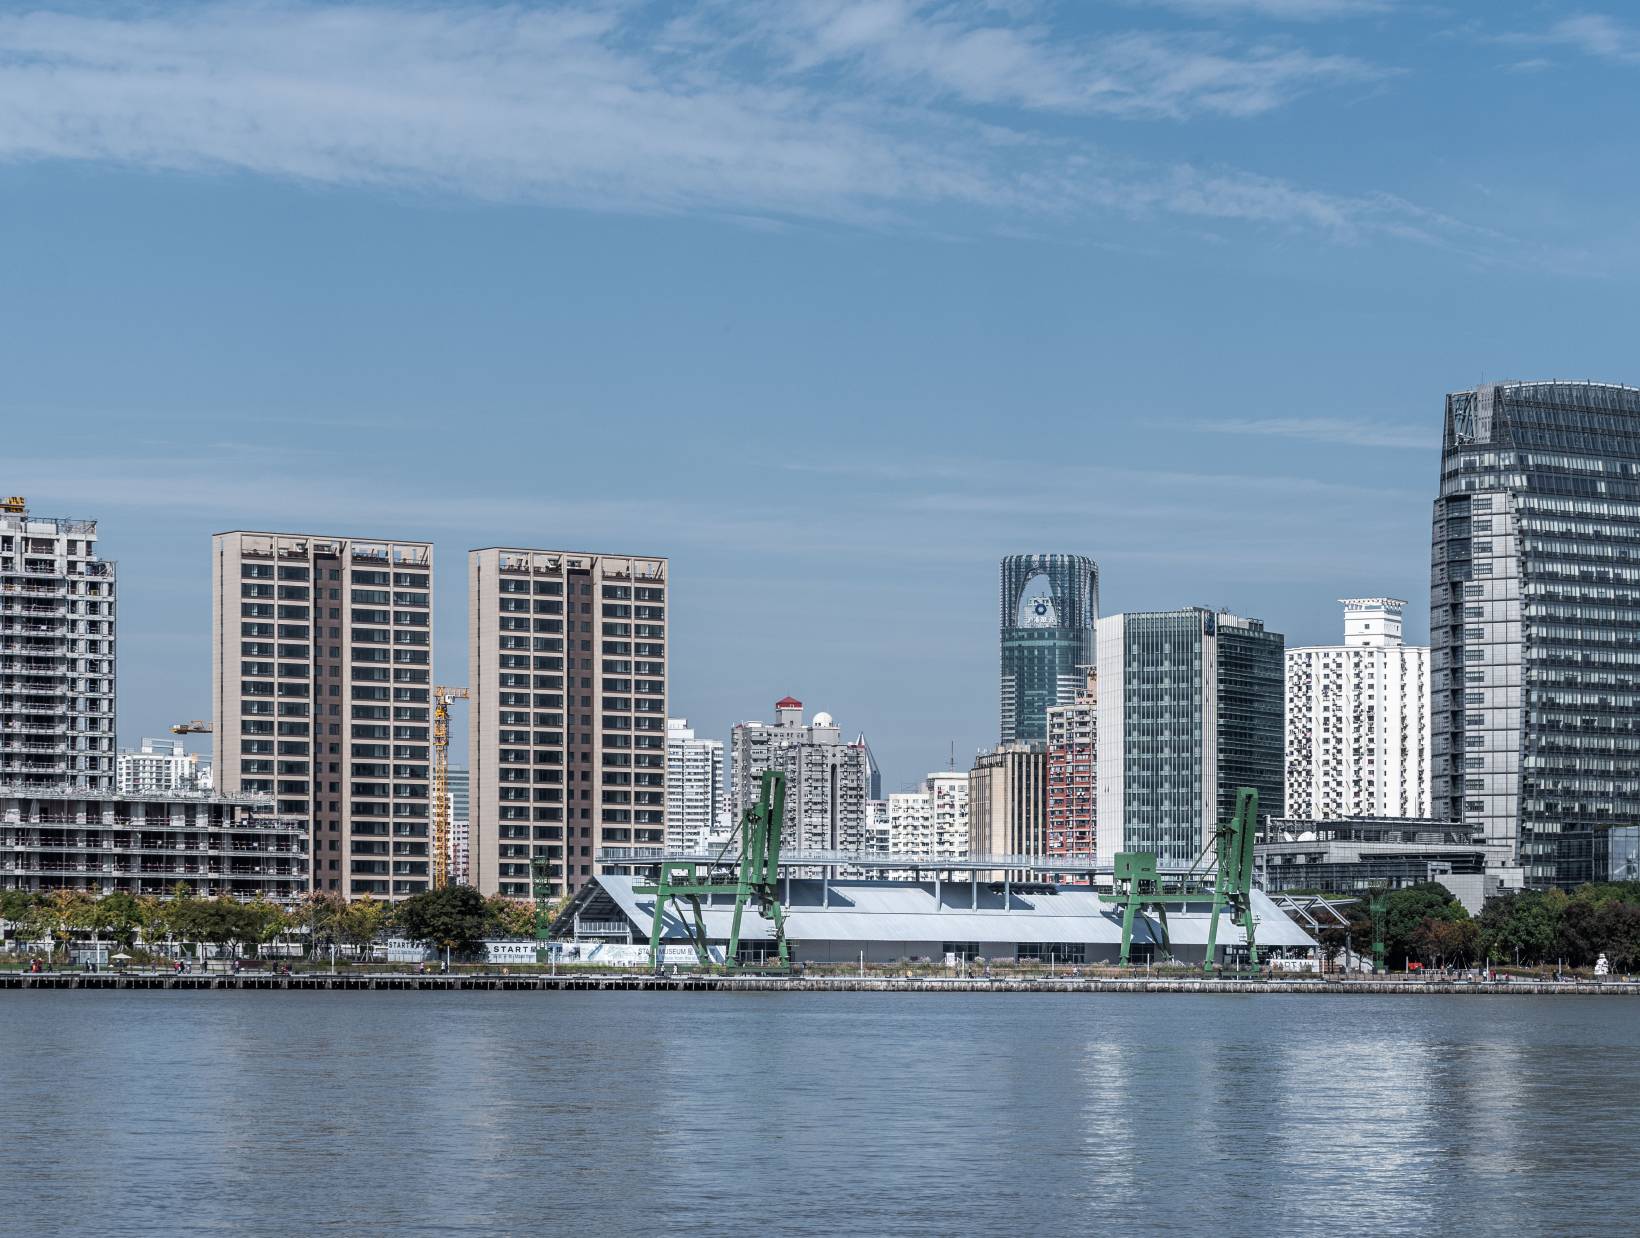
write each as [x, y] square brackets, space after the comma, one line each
[868, 112]
[1592, 34]
[1597, 35]
[1275, 10]
[1348, 433]
[973, 54]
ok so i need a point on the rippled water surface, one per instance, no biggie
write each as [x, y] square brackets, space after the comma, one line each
[285, 1113]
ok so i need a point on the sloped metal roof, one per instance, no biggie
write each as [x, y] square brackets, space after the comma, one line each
[894, 911]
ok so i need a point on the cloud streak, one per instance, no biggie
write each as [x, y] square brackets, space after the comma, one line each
[865, 112]
[1348, 433]
[1277, 10]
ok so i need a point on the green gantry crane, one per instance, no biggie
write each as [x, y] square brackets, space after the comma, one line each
[753, 880]
[1138, 887]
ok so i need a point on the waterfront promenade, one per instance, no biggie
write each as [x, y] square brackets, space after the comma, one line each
[495, 981]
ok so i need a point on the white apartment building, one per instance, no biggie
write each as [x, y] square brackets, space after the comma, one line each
[877, 827]
[828, 782]
[56, 655]
[910, 823]
[1358, 720]
[948, 802]
[931, 821]
[160, 766]
[694, 786]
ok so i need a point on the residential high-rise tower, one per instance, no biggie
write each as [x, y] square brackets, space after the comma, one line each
[828, 780]
[567, 721]
[1358, 720]
[694, 786]
[1071, 750]
[321, 672]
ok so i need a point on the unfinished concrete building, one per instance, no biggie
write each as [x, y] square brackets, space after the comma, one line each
[56, 655]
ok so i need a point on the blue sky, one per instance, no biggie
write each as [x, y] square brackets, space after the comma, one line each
[833, 303]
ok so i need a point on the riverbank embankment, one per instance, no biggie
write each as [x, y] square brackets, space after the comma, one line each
[469, 982]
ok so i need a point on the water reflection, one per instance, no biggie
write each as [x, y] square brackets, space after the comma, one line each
[813, 1114]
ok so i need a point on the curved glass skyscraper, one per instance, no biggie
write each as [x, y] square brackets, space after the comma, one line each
[1049, 606]
[1535, 625]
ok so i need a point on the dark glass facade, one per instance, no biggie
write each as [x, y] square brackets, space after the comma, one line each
[1049, 605]
[1535, 625]
[1252, 717]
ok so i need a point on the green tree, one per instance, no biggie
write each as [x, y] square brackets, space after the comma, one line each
[508, 917]
[321, 913]
[265, 920]
[1521, 926]
[1440, 942]
[1405, 912]
[30, 913]
[361, 921]
[68, 911]
[118, 916]
[450, 919]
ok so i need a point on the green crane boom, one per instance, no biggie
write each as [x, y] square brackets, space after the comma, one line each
[1139, 887]
[753, 880]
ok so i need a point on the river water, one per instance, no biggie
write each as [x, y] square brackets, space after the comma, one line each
[817, 1114]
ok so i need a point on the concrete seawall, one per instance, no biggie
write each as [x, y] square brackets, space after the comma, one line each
[618, 983]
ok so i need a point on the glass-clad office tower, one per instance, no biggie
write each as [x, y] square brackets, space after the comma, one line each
[1535, 625]
[1190, 709]
[1049, 606]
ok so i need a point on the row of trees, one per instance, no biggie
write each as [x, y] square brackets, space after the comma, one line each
[1425, 923]
[457, 918]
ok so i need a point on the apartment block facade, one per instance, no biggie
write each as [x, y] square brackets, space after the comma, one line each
[1071, 808]
[931, 821]
[148, 845]
[567, 666]
[694, 786]
[1358, 722]
[1008, 801]
[57, 634]
[321, 681]
[160, 766]
[828, 781]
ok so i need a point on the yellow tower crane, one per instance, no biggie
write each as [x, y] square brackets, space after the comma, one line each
[195, 726]
[441, 782]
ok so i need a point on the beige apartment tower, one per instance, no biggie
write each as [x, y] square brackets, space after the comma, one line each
[321, 675]
[567, 722]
